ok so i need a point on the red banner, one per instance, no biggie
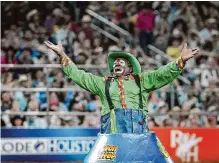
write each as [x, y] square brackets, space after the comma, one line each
[192, 144]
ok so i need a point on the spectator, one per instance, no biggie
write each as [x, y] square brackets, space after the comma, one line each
[162, 109]
[176, 117]
[173, 49]
[26, 25]
[145, 23]
[205, 33]
[212, 122]
[8, 57]
[78, 102]
[18, 121]
[86, 20]
[92, 121]
[39, 79]
[55, 104]
[8, 80]
[3, 123]
[94, 104]
[24, 56]
[151, 123]
[6, 99]
[69, 121]
[7, 117]
[40, 122]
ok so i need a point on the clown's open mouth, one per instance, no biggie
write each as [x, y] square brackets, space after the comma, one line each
[118, 69]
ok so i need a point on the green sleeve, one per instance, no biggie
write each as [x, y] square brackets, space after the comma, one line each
[88, 81]
[160, 77]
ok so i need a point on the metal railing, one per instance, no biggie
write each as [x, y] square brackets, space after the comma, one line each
[39, 113]
[160, 53]
[110, 36]
[48, 113]
[46, 89]
[120, 30]
[75, 88]
[62, 113]
[87, 66]
[102, 19]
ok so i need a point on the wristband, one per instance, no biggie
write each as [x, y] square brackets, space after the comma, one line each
[65, 61]
[179, 63]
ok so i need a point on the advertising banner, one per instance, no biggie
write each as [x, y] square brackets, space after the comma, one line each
[63, 144]
[46, 144]
[190, 145]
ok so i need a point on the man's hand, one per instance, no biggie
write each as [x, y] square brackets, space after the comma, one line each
[58, 49]
[187, 53]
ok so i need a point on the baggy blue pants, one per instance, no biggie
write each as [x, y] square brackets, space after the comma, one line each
[127, 121]
[132, 144]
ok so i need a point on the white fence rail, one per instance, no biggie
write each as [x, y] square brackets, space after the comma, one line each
[104, 20]
[69, 89]
[88, 66]
[47, 89]
[31, 113]
[38, 113]
[76, 88]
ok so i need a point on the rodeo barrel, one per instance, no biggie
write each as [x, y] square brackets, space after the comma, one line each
[128, 148]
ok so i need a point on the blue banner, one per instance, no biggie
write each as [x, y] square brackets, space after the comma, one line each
[61, 144]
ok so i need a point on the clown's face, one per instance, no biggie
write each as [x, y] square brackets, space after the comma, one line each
[121, 67]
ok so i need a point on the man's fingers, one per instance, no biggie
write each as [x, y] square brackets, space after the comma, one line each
[49, 45]
[185, 46]
[56, 48]
[60, 44]
[195, 51]
[50, 42]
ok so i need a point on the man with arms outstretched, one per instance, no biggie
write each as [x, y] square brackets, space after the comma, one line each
[124, 97]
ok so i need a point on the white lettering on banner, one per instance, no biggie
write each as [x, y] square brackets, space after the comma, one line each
[69, 146]
[23, 146]
[186, 145]
[35, 146]
[207, 75]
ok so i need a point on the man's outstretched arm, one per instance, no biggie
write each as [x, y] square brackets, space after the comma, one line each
[85, 80]
[166, 74]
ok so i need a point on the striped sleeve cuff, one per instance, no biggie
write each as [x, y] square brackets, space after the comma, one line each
[65, 61]
[179, 63]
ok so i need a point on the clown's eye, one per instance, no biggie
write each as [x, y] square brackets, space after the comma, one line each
[122, 63]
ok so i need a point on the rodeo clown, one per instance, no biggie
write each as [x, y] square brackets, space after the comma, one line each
[124, 136]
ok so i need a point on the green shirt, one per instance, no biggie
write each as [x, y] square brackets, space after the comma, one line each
[149, 81]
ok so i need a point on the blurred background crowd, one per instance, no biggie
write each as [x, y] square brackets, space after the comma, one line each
[165, 25]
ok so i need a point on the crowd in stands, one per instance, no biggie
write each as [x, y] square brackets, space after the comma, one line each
[165, 25]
